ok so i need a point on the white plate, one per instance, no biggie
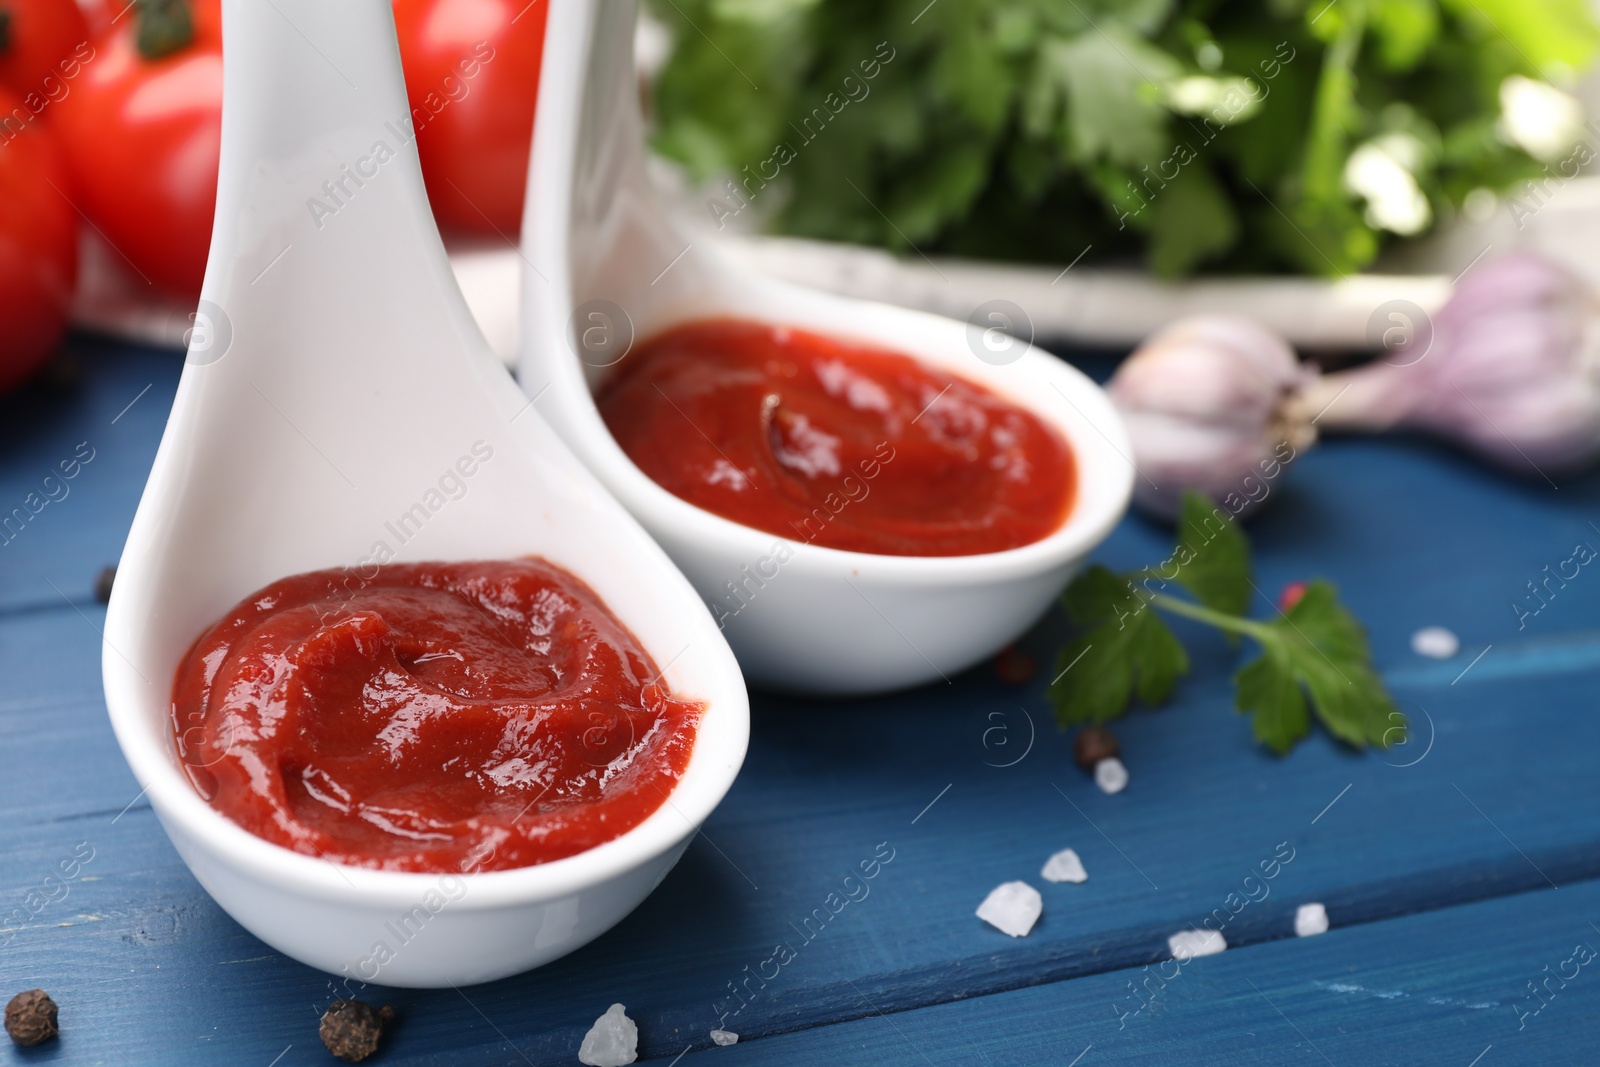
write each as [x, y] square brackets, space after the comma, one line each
[1082, 304]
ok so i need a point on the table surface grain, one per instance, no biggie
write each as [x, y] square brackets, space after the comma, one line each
[1459, 870]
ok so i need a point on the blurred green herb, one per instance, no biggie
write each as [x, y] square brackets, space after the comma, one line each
[1189, 132]
[1315, 649]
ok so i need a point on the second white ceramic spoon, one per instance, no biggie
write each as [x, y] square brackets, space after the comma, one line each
[608, 268]
[339, 408]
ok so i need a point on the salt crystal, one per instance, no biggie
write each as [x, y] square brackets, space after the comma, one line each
[1012, 908]
[1064, 866]
[1187, 944]
[612, 1041]
[1110, 775]
[724, 1037]
[1310, 919]
[1435, 642]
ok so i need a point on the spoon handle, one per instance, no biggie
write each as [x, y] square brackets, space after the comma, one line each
[321, 209]
[596, 240]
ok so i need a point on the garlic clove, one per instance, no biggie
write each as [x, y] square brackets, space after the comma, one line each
[1208, 386]
[1211, 405]
[1512, 373]
[1548, 428]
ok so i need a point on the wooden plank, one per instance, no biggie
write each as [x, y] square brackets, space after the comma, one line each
[1494, 796]
[1453, 986]
[71, 527]
[824, 785]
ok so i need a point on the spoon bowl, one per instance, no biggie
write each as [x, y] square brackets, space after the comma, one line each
[610, 269]
[339, 408]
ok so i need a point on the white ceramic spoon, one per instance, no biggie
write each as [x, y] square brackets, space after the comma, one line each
[336, 395]
[608, 266]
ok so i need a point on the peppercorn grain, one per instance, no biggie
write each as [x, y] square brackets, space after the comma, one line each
[31, 1018]
[1093, 744]
[351, 1028]
[103, 582]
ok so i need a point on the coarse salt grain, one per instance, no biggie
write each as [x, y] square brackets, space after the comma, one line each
[724, 1037]
[1110, 775]
[1012, 908]
[613, 1040]
[1435, 642]
[1064, 866]
[1310, 920]
[1188, 944]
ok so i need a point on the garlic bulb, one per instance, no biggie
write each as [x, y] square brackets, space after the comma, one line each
[1511, 370]
[1213, 404]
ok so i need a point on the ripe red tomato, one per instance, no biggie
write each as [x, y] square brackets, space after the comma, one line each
[141, 137]
[38, 247]
[103, 14]
[35, 37]
[472, 75]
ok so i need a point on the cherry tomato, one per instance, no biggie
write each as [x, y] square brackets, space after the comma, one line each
[472, 75]
[36, 38]
[142, 136]
[38, 247]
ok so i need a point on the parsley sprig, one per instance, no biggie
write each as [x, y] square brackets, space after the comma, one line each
[1314, 657]
[1200, 135]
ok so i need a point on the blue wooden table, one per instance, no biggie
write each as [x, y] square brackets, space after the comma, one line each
[1459, 871]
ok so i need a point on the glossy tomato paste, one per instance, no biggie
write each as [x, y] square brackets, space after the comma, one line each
[836, 444]
[439, 717]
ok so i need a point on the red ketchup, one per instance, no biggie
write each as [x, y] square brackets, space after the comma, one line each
[440, 717]
[836, 444]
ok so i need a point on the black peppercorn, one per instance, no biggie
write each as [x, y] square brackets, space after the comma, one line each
[102, 584]
[1094, 744]
[351, 1028]
[31, 1018]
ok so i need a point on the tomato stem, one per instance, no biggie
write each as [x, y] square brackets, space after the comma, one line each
[165, 27]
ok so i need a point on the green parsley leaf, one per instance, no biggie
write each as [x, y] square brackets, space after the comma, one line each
[1546, 33]
[1269, 688]
[1404, 29]
[1114, 104]
[1314, 658]
[1128, 650]
[970, 75]
[1193, 222]
[1317, 644]
[943, 188]
[1062, 118]
[1213, 556]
